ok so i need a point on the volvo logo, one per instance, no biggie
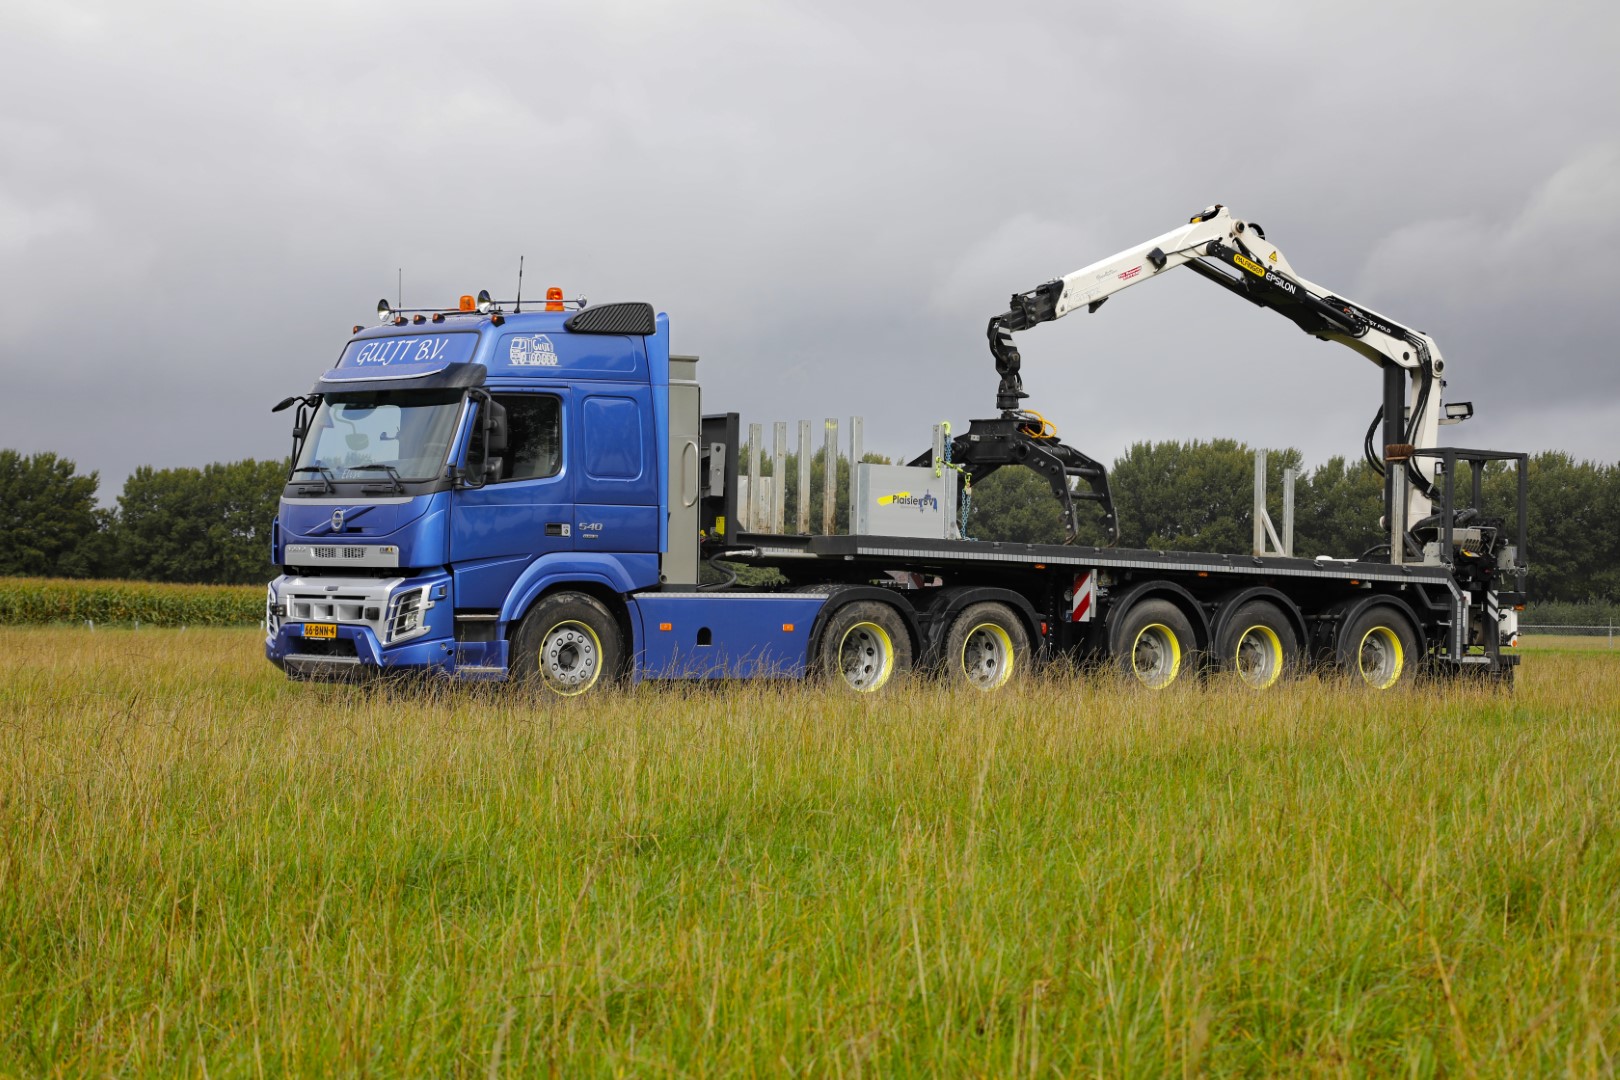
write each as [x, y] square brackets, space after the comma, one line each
[337, 520]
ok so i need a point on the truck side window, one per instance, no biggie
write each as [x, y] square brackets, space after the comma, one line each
[534, 439]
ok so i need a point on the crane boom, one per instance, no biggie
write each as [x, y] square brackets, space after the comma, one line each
[1237, 256]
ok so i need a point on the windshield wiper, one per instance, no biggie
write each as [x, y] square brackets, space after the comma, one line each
[393, 474]
[326, 474]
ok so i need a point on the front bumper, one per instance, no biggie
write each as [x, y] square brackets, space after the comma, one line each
[395, 624]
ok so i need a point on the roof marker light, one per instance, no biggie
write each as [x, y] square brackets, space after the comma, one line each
[384, 312]
[485, 304]
[467, 303]
[419, 319]
[438, 316]
[554, 298]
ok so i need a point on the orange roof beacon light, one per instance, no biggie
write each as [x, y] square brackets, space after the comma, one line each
[467, 303]
[554, 298]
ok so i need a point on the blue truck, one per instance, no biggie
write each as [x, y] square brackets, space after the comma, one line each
[487, 492]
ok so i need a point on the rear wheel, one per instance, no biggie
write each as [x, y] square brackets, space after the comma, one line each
[1257, 643]
[987, 646]
[1379, 649]
[1155, 644]
[569, 643]
[863, 645]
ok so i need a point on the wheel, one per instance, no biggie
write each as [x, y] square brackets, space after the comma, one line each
[1154, 644]
[863, 645]
[569, 643]
[986, 647]
[1257, 643]
[1379, 649]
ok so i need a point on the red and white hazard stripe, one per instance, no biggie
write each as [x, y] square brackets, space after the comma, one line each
[1084, 597]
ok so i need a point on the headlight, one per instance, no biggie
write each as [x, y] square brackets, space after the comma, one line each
[272, 611]
[407, 613]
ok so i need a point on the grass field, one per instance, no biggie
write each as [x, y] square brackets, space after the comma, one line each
[206, 870]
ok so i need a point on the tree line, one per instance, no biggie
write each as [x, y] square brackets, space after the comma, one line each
[208, 525]
[211, 524]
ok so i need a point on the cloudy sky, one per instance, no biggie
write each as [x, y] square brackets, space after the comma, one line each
[830, 199]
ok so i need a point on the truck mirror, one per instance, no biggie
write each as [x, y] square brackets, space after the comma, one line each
[497, 429]
[356, 441]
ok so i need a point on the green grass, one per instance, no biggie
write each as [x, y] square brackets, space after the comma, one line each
[206, 870]
[1598, 643]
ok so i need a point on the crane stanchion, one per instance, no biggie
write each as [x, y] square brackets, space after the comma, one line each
[779, 478]
[829, 481]
[856, 437]
[806, 452]
[756, 502]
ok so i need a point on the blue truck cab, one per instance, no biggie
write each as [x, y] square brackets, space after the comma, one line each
[461, 479]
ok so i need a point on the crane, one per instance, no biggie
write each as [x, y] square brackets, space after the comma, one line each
[1235, 255]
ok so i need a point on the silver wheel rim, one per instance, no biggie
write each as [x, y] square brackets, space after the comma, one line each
[987, 657]
[1259, 657]
[1156, 656]
[866, 657]
[570, 657]
[1381, 659]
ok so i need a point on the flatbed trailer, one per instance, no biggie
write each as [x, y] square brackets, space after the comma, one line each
[1078, 601]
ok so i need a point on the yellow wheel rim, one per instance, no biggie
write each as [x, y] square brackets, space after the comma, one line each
[1259, 657]
[570, 658]
[866, 657]
[1380, 659]
[987, 657]
[1156, 656]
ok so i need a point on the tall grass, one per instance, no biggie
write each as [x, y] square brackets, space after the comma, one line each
[206, 869]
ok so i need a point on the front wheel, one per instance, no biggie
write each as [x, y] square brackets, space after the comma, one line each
[569, 643]
[863, 645]
[987, 646]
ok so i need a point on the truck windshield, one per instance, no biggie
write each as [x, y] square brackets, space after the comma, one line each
[407, 430]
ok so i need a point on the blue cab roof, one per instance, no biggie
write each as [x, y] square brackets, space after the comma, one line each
[528, 346]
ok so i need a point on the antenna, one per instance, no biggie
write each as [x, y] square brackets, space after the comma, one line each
[401, 294]
[517, 309]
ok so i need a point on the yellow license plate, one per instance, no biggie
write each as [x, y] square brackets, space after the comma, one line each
[320, 629]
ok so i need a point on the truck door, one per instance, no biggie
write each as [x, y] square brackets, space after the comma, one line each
[526, 509]
[616, 477]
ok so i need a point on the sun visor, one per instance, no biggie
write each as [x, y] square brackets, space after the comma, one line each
[405, 362]
[448, 377]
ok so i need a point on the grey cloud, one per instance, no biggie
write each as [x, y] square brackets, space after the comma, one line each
[196, 202]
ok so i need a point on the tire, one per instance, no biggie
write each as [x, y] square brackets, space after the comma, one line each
[987, 647]
[863, 646]
[1257, 644]
[568, 643]
[1155, 645]
[1379, 649]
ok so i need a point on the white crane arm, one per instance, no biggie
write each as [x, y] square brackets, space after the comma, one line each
[1236, 255]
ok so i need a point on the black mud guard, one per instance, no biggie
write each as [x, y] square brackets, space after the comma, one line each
[1238, 597]
[950, 601]
[839, 595]
[1155, 587]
